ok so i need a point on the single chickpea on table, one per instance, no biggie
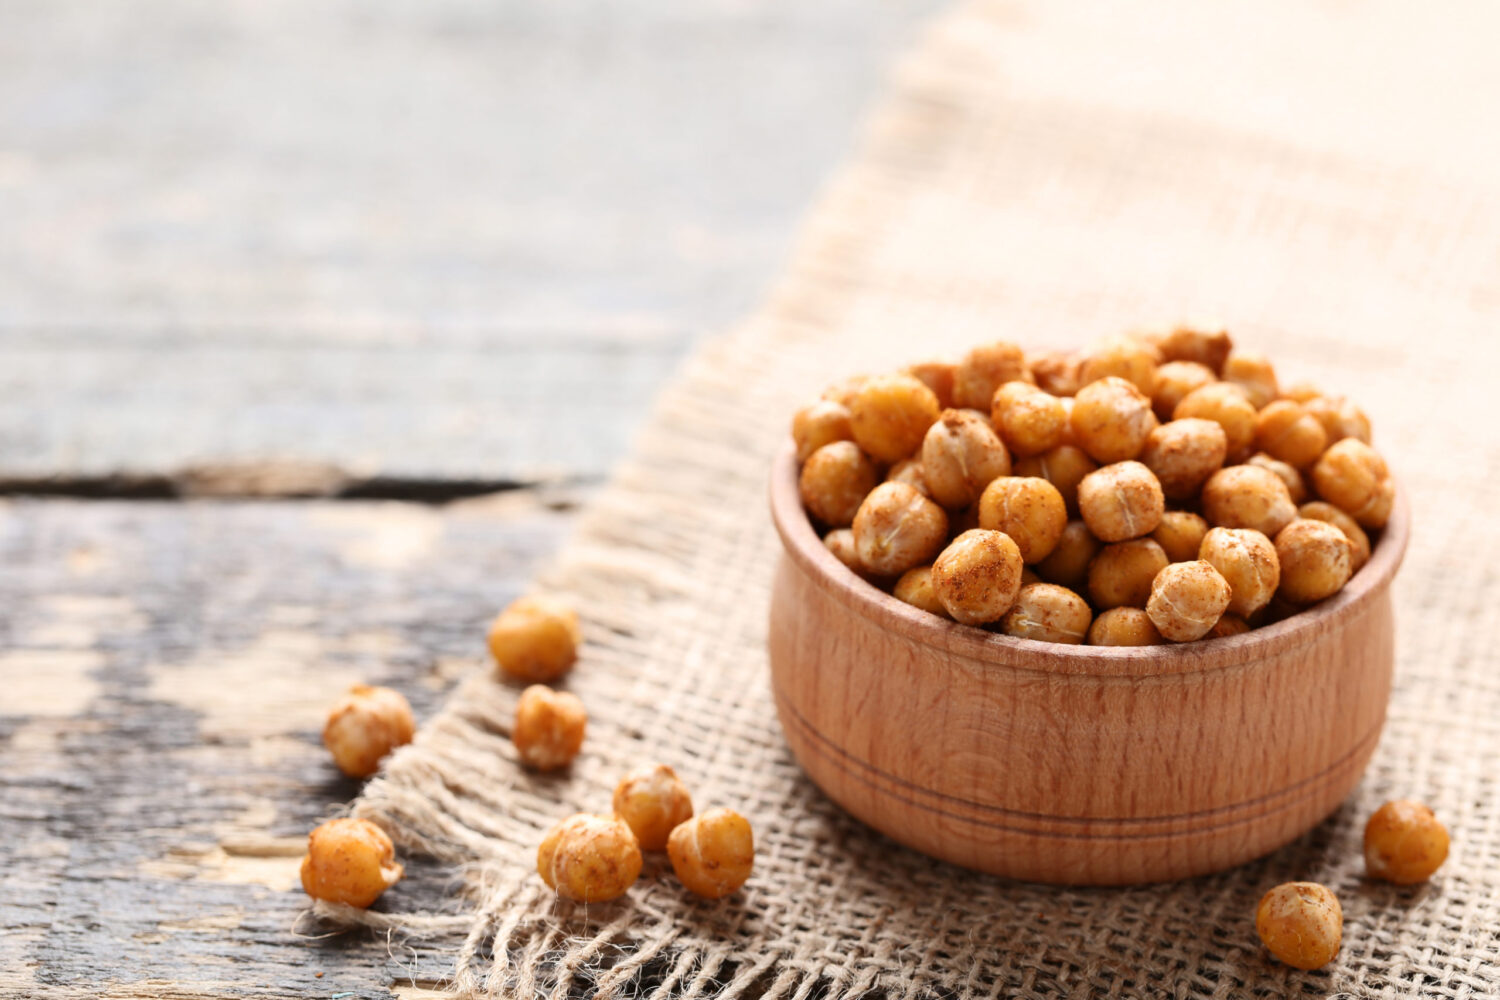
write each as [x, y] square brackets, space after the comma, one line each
[365, 726]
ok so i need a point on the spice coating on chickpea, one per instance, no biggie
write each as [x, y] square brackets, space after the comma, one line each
[834, 481]
[1183, 454]
[1112, 419]
[1048, 613]
[713, 854]
[1121, 357]
[1124, 627]
[1247, 496]
[1056, 371]
[897, 528]
[1174, 380]
[937, 376]
[840, 542]
[1030, 420]
[910, 472]
[1301, 923]
[652, 801]
[1254, 375]
[1316, 561]
[1318, 510]
[978, 576]
[1227, 625]
[1285, 431]
[1354, 478]
[961, 453]
[1208, 345]
[1405, 843]
[1340, 418]
[1121, 501]
[985, 369]
[1180, 534]
[365, 725]
[591, 859]
[1187, 600]
[1030, 511]
[1063, 467]
[349, 861]
[1122, 573]
[1296, 486]
[890, 414]
[549, 727]
[819, 423]
[535, 639]
[1224, 405]
[915, 588]
[1068, 563]
[1247, 561]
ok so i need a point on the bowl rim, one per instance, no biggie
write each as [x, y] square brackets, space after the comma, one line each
[806, 550]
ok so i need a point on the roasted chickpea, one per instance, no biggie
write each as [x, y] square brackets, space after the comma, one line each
[835, 480]
[1316, 561]
[365, 725]
[1207, 345]
[844, 391]
[1301, 392]
[937, 376]
[1048, 613]
[1121, 574]
[898, 528]
[1226, 406]
[985, 369]
[890, 415]
[1354, 478]
[1404, 843]
[1246, 496]
[1187, 600]
[1174, 380]
[820, 423]
[535, 639]
[1247, 561]
[1068, 563]
[591, 859]
[1227, 625]
[1056, 371]
[1030, 511]
[978, 576]
[1124, 627]
[840, 542]
[549, 727]
[1122, 357]
[1121, 501]
[1340, 418]
[1180, 534]
[1030, 420]
[349, 861]
[915, 588]
[910, 472]
[1301, 923]
[1112, 419]
[961, 453]
[713, 854]
[1183, 454]
[652, 801]
[1254, 375]
[1285, 431]
[1296, 487]
[1321, 511]
[1063, 467]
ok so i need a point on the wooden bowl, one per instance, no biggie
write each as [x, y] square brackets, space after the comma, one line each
[1081, 765]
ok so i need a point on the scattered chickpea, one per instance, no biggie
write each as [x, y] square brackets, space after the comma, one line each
[549, 727]
[1340, 418]
[365, 725]
[1068, 563]
[1208, 346]
[1247, 561]
[835, 480]
[1030, 511]
[349, 861]
[535, 639]
[897, 528]
[652, 801]
[1124, 626]
[915, 588]
[1186, 600]
[1048, 613]
[1111, 419]
[985, 369]
[840, 542]
[1183, 454]
[1301, 923]
[1056, 371]
[978, 576]
[911, 472]
[1226, 406]
[1121, 501]
[1404, 843]
[1296, 486]
[1030, 420]
[1284, 430]
[1227, 625]
[1122, 357]
[1122, 573]
[1254, 376]
[1063, 467]
[1353, 477]
[890, 414]
[937, 376]
[1315, 559]
[961, 453]
[1174, 380]
[1318, 510]
[713, 854]
[588, 858]
[1180, 534]
[819, 423]
[1247, 496]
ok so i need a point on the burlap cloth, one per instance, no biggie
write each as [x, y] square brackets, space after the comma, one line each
[987, 202]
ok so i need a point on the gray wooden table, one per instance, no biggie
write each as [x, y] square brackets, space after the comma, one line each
[316, 323]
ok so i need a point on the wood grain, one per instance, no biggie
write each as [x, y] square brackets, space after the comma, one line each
[1070, 764]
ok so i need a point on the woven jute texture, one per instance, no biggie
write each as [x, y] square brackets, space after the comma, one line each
[987, 203]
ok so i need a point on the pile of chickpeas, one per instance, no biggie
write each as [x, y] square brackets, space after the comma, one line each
[585, 857]
[1154, 488]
